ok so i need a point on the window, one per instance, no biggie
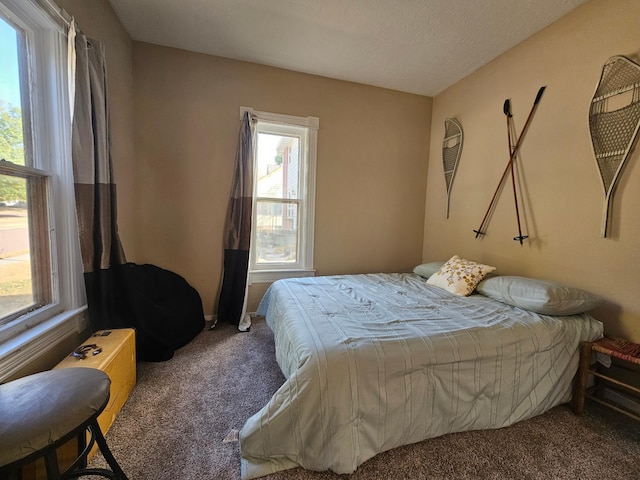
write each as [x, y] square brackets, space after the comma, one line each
[284, 191]
[40, 268]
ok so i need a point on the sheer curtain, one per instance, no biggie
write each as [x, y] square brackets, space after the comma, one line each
[232, 304]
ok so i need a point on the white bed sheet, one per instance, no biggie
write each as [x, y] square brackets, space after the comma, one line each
[377, 361]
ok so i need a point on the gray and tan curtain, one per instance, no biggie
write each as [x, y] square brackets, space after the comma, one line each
[232, 304]
[95, 190]
[161, 305]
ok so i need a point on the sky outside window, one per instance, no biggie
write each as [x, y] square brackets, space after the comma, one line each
[16, 282]
[9, 74]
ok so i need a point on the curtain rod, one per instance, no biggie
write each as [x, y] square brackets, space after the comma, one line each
[51, 7]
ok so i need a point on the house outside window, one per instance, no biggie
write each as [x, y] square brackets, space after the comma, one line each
[41, 284]
[284, 194]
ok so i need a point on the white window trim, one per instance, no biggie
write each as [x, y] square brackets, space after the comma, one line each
[23, 340]
[275, 272]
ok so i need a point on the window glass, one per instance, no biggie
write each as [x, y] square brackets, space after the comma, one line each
[277, 178]
[16, 281]
[277, 170]
[10, 95]
[276, 232]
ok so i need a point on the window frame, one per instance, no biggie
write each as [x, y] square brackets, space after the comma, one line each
[48, 138]
[38, 201]
[281, 124]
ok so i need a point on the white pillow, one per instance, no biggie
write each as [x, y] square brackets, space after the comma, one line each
[427, 269]
[540, 296]
[459, 276]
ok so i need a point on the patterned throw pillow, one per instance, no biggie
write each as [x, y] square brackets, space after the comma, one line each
[459, 276]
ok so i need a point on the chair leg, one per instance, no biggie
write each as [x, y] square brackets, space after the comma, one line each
[106, 453]
[51, 464]
[96, 472]
[82, 445]
[11, 474]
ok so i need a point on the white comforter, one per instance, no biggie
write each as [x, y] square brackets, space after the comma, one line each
[377, 361]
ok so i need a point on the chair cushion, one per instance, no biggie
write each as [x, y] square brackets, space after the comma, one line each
[40, 409]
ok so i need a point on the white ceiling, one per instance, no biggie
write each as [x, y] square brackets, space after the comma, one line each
[416, 46]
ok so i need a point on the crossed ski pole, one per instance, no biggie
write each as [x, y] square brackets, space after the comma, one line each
[507, 112]
[509, 167]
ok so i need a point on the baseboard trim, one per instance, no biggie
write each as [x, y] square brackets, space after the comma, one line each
[212, 320]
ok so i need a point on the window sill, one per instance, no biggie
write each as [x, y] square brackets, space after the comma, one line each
[18, 351]
[270, 276]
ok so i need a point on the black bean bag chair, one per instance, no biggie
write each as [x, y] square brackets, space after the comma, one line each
[164, 309]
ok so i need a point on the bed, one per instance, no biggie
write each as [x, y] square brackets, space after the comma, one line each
[376, 361]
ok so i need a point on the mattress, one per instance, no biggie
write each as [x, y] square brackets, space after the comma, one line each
[376, 361]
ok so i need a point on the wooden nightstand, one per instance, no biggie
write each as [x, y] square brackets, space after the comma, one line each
[618, 348]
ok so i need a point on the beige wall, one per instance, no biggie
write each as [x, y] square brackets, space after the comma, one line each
[563, 196]
[97, 20]
[373, 146]
[371, 169]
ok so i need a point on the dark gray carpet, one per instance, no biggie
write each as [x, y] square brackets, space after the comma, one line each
[174, 423]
